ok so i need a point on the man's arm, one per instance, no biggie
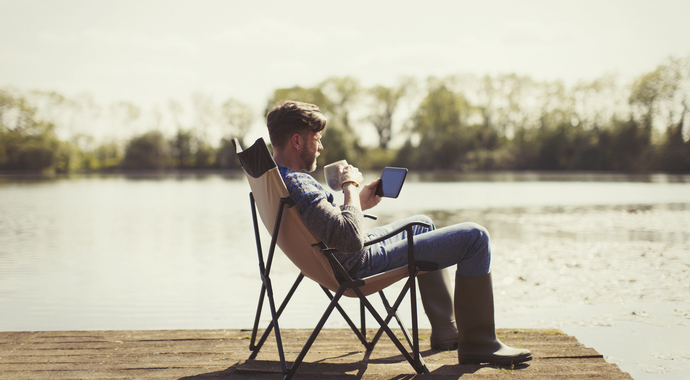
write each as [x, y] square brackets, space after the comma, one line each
[341, 228]
[351, 193]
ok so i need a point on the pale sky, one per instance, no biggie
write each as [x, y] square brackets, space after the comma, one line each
[148, 52]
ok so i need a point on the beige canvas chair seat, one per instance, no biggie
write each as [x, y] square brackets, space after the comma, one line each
[270, 197]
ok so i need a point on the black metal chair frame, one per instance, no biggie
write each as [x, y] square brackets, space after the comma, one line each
[414, 358]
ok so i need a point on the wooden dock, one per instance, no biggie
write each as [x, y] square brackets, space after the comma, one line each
[222, 354]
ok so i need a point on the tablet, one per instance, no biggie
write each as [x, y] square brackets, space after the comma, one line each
[392, 180]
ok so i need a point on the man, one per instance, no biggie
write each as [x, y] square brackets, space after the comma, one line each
[296, 130]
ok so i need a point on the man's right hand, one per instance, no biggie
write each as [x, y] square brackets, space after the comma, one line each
[350, 173]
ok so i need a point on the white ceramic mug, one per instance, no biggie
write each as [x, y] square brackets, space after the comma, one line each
[330, 172]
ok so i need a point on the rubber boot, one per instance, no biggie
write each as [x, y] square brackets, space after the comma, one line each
[474, 310]
[435, 289]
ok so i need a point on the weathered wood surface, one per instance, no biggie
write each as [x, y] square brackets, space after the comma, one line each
[222, 354]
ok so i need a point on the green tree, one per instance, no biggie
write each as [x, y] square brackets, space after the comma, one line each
[225, 155]
[205, 156]
[385, 101]
[444, 139]
[108, 155]
[629, 146]
[675, 152]
[341, 138]
[237, 118]
[509, 106]
[148, 151]
[26, 143]
[596, 102]
[184, 147]
[525, 152]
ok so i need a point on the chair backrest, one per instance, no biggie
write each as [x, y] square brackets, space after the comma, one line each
[294, 239]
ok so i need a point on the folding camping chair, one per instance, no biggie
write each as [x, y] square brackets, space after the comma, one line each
[317, 262]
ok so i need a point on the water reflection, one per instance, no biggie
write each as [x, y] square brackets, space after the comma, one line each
[627, 222]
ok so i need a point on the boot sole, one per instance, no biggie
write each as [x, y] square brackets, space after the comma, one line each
[494, 360]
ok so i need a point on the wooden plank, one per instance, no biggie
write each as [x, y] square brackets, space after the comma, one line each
[208, 354]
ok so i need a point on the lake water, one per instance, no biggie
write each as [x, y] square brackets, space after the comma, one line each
[178, 252]
[155, 252]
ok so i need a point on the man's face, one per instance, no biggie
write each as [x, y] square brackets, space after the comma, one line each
[312, 150]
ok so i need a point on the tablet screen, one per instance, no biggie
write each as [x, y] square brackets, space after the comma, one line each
[392, 180]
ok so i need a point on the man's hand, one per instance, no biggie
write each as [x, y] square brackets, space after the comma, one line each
[349, 173]
[368, 197]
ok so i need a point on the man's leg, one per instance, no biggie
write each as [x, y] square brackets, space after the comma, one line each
[474, 307]
[466, 245]
[437, 297]
[386, 255]
[435, 289]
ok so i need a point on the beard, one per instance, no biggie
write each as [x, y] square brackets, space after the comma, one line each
[308, 161]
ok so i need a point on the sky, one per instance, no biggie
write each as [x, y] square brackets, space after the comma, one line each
[148, 52]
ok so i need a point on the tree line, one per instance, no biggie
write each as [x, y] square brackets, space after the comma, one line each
[460, 122]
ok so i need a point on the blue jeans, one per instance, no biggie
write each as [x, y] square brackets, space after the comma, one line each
[464, 244]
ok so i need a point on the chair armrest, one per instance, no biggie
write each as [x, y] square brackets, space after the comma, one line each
[412, 265]
[337, 266]
[395, 232]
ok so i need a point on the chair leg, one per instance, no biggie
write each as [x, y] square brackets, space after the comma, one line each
[274, 318]
[259, 307]
[415, 325]
[415, 359]
[413, 341]
[362, 337]
[363, 318]
[391, 312]
[417, 362]
[315, 333]
[256, 348]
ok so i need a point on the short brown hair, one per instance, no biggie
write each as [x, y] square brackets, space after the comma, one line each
[290, 117]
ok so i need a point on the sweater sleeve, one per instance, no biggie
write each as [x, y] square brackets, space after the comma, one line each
[341, 227]
[338, 227]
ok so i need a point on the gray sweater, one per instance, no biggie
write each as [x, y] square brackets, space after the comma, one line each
[338, 227]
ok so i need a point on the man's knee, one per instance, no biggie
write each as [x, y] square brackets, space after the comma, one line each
[479, 232]
[478, 261]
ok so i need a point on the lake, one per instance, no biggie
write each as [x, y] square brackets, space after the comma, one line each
[177, 251]
[172, 251]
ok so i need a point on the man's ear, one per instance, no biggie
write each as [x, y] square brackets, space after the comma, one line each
[296, 141]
